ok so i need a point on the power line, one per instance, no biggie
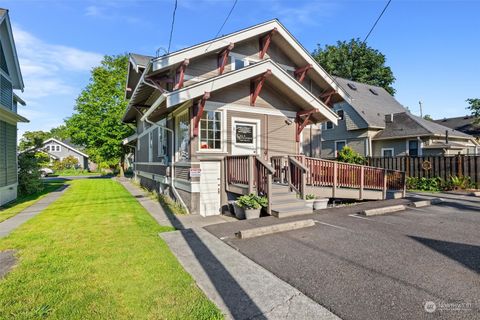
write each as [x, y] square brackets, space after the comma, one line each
[226, 19]
[375, 24]
[173, 23]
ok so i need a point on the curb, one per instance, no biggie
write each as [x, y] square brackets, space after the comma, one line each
[384, 210]
[281, 227]
[475, 194]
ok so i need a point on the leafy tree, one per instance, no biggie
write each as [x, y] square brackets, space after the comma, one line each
[28, 174]
[36, 138]
[428, 117]
[474, 107]
[356, 61]
[97, 121]
[349, 155]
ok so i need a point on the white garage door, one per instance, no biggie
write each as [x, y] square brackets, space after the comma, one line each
[210, 188]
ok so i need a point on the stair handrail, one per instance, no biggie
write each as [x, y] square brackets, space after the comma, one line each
[297, 186]
[268, 187]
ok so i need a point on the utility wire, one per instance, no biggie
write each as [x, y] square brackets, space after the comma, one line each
[375, 24]
[173, 23]
[226, 19]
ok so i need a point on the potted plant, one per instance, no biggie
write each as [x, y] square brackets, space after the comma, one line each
[250, 204]
[239, 211]
[320, 203]
[309, 200]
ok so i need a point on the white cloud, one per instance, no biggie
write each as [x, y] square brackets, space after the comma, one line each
[307, 13]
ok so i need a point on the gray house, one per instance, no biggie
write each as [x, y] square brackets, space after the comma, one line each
[10, 79]
[58, 150]
[465, 124]
[373, 123]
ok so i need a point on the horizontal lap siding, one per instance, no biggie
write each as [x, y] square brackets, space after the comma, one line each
[281, 137]
[3, 154]
[8, 154]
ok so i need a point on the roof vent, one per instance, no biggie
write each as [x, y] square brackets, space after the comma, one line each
[373, 91]
[389, 118]
[352, 86]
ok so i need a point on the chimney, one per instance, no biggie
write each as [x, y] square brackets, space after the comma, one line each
[446, 136]
[389, 118]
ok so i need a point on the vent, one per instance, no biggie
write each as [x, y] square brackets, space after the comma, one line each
[352, 86]
[373, 91]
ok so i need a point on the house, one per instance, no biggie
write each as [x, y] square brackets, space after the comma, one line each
[201, 113]
[10, 79]
[465, 124]
[58, 150]
[373, 123]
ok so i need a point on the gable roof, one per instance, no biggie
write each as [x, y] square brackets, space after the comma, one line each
[464, 124]
[405, 124]
[278, 77]
[8, 45]
[370, 107]
[66, 145]
[286, 40]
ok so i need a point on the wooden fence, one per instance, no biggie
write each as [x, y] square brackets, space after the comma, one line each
[432, 166]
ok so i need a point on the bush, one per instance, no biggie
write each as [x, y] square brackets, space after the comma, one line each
[425, 184]
[459, 183]
[28, 174]
[69, 162]
[252, 201]
[310, 197]
[349, 155]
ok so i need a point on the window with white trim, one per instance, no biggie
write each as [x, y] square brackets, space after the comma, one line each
[339, 145]
[182, 136]
[162, 139]
[387, 152]
[238, 61]
[211, 130]
[328, 125]
[413, 148]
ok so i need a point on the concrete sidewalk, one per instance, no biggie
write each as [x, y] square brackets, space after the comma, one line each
[238, 286]
[7, 226]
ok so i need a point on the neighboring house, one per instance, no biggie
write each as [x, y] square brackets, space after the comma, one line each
[465, 124]
[253, 92]
[10, 79]
[373, 123]
[59, 150]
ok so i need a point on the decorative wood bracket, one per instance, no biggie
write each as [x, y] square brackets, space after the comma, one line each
[302, 123]
[256, 86]
[265, 43]
[326, 97]
[180, 74]
[157, 81]
[223, 58]
[300, 73]
[198, 115]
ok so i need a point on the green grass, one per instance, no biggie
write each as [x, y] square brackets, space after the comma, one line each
[74, 173]
[23, 202]
[95, 253]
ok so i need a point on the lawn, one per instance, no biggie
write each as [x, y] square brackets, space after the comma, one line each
[24, 202]
[95, 253]
[74, 173]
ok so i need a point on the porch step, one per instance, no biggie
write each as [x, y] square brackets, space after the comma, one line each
[291, 211]
[287, 202]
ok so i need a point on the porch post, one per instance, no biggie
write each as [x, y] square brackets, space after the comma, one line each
[385, 177]
[335, 178]
[362, 182]
[251, 174]
[269, 193]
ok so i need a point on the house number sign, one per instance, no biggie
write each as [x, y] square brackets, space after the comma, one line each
[195, 172]
[244, 134]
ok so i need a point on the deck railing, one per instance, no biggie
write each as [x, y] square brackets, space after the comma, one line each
[297, 176]
[328, 173]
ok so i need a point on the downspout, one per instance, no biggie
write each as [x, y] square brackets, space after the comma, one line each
[145, 118]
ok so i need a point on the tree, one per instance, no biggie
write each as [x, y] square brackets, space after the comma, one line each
[28, 174]
[349, 155]
[428, 117]
[97, 121]
[36, 138]
[356, 61]
[474, 107]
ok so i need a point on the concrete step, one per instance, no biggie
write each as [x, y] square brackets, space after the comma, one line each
[287, 203]
[283, 196]
[290, 212]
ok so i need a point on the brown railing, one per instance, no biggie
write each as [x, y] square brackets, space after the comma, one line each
[297, 176]
[238, 169]
[280, 166]
[328, 173]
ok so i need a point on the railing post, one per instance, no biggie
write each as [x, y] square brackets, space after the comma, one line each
[251, 174]
[269, 193]
[404, 189]
[362, 182]
[303, 185]
[385, 177]
[335, 179]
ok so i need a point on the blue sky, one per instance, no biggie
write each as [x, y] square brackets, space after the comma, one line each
[431, 46]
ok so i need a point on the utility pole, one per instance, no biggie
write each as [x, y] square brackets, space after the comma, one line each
[421, 111]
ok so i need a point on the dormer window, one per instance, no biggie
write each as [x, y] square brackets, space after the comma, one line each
[340, 114]
[238, 61]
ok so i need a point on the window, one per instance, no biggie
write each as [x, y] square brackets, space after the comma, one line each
[162, 139]
[58, 148]
[182, 133]
[238, 61]
[413, 148]
[340, 114]
[339, 145]
[150, 146]
[47, 148]
[211, 130]
[329, 125]
[387, 152]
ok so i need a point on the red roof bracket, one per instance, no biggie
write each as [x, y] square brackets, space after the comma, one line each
[256, 86]
[300, 73]
[302, 123]
[199, 112]
[223, 58]
[265, 43]
[180, 74]
[326, 97]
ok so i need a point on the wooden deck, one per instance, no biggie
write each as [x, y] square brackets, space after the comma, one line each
[305, 175]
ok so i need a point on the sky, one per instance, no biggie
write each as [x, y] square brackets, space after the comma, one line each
[432, 46]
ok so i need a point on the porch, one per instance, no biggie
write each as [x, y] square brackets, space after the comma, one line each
[286, 180]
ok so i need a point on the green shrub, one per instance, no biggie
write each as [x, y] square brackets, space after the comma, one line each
[310, 197]
[28, 174]
[349, 155]
[69, 162]
[425, 184]
[459, 183]
[252, 201]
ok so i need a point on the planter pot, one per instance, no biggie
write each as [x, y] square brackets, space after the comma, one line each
[252, 213]
[239, 212]
[319, 204]
[309, 203]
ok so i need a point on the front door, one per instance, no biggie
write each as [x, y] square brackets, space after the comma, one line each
[210, 188]
[245, 137]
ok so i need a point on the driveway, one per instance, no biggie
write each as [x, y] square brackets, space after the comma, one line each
[384, 267]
